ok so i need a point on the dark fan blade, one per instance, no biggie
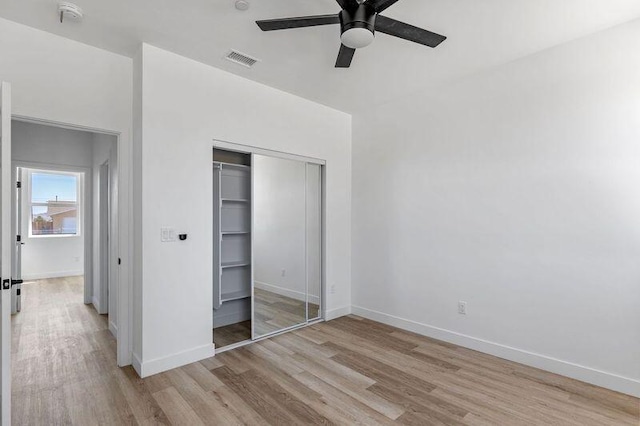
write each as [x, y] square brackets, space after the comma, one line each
[348, 4]
[408, 32]
[380, 5]
[344, 57]
[298, 22]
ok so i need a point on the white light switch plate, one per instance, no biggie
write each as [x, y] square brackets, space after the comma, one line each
[168, 235]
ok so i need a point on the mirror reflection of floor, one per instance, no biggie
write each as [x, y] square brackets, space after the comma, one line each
[273, 313]
[230, 334]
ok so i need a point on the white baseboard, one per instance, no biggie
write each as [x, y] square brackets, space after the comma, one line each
[564, 368]
[136, 363]
[337, 313]
[95, 301]
[282, 291]
[158, 365]
[113, 328]
[47, 275]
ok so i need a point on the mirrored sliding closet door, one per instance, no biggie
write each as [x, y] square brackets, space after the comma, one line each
[314, 240]
[287, 247]
[267, 244]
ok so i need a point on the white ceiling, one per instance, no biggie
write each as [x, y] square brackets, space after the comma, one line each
[481, 34]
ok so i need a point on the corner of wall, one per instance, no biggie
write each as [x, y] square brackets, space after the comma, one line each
[575, 371]
[158, 365]
[337, 313]
[136, 204]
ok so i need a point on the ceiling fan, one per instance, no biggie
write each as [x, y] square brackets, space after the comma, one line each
[359, 20]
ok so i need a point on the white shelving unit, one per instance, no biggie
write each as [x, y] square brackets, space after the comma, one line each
[232, 235]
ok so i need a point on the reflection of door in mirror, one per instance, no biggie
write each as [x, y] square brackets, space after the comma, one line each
[314, 239]
[279, 244]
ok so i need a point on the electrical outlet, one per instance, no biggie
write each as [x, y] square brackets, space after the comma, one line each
[76, 259]
[333, 289]
[284, 272]
[462, 308]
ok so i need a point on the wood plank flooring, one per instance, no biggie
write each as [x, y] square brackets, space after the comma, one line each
[347, 371]
[274, 312]
[233, 333]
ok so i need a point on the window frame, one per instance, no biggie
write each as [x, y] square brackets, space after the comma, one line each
[29, 204]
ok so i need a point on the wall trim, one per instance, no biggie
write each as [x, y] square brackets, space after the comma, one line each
[337, 313]
[47, 275]
[282, 291]
[96, 303]
[136, 363]
[113, 328]
[158, 365]
[604, 379]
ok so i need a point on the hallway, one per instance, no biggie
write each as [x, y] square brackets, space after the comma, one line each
[63, 355]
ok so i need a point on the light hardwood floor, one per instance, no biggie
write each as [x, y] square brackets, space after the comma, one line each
[274, 312]
[347, 371]
[231, 334]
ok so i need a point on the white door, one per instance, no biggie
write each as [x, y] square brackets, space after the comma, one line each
[6, 247]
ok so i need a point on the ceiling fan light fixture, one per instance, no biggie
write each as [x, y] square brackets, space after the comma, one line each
[357, 38]
[359, 21]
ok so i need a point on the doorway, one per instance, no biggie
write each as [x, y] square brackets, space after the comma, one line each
[65, 193]
[50, 222]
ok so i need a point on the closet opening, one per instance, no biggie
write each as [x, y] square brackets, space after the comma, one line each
[232, 248]
[268, 249]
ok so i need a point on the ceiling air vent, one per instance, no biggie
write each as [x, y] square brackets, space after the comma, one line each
[241, 58]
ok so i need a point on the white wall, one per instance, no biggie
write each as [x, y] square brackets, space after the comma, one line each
[136, 192]
[517, 191]
[51, 148]
[184, 106]
[59, 80]
[51, 145]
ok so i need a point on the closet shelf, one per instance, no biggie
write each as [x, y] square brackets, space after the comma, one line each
[235, 232]
[226, 265]
[235, 295]
[239, 166]
[234, 200]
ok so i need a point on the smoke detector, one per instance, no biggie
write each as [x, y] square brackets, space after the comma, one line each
[242, 5]
[69, 10]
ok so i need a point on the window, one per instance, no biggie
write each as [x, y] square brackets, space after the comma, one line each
[53, 203]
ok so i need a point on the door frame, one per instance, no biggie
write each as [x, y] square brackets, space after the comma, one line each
[6, 254]
[252, 150]
[104, 242]
[121, 237]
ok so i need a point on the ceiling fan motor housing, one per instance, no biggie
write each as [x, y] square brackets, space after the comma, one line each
[357, 26]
